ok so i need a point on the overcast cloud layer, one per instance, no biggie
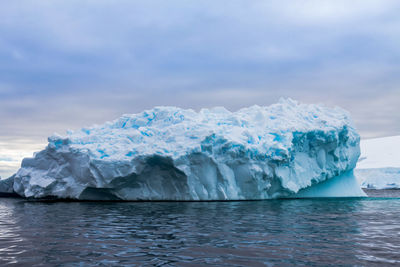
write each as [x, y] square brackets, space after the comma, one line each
[68, 64]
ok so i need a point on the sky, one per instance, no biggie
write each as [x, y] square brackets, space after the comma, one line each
[66, 64]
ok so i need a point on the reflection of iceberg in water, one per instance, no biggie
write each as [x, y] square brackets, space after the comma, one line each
[307, 232]
[280, 232]
[169, 153]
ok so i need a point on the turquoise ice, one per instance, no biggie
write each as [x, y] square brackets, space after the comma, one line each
[169, 153]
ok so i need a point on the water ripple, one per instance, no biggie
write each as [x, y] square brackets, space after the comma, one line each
[315, 232]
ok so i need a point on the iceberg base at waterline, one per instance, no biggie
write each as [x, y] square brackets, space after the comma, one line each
[167, 153]
[342, 186]
[345, 185]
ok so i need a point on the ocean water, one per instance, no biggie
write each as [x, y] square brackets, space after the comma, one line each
[302, 232]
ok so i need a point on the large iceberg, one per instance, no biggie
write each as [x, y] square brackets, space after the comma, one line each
[379, 163]
[169, 153]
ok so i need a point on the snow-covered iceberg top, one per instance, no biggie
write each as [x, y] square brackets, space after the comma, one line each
[379, 163]
[169, 153]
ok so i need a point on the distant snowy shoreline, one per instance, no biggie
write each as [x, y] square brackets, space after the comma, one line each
[379, 164]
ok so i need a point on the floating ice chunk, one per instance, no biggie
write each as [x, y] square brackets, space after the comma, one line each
[169, 153]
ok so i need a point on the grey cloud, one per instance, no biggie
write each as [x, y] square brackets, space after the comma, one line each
[69, 64]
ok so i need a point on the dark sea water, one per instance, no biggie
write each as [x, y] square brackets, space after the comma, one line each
[313, 232]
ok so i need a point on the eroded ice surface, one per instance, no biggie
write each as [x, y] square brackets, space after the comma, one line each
[169, 153]
[379, 163]
[344, 185]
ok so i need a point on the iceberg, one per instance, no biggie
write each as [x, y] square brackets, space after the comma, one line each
[344, 185]
[6, 187]
[379, 163]
[169, 153]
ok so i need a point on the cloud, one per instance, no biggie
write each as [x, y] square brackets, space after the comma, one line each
[11, 155]
[68, 64]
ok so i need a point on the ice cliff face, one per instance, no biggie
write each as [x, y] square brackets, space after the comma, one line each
[169, 153]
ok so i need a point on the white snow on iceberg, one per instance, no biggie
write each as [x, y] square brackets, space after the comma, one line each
[169, 153]
[379, 163]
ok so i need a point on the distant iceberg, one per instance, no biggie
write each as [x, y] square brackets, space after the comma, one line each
[169, 153]
[379, 164]
[6, 187]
